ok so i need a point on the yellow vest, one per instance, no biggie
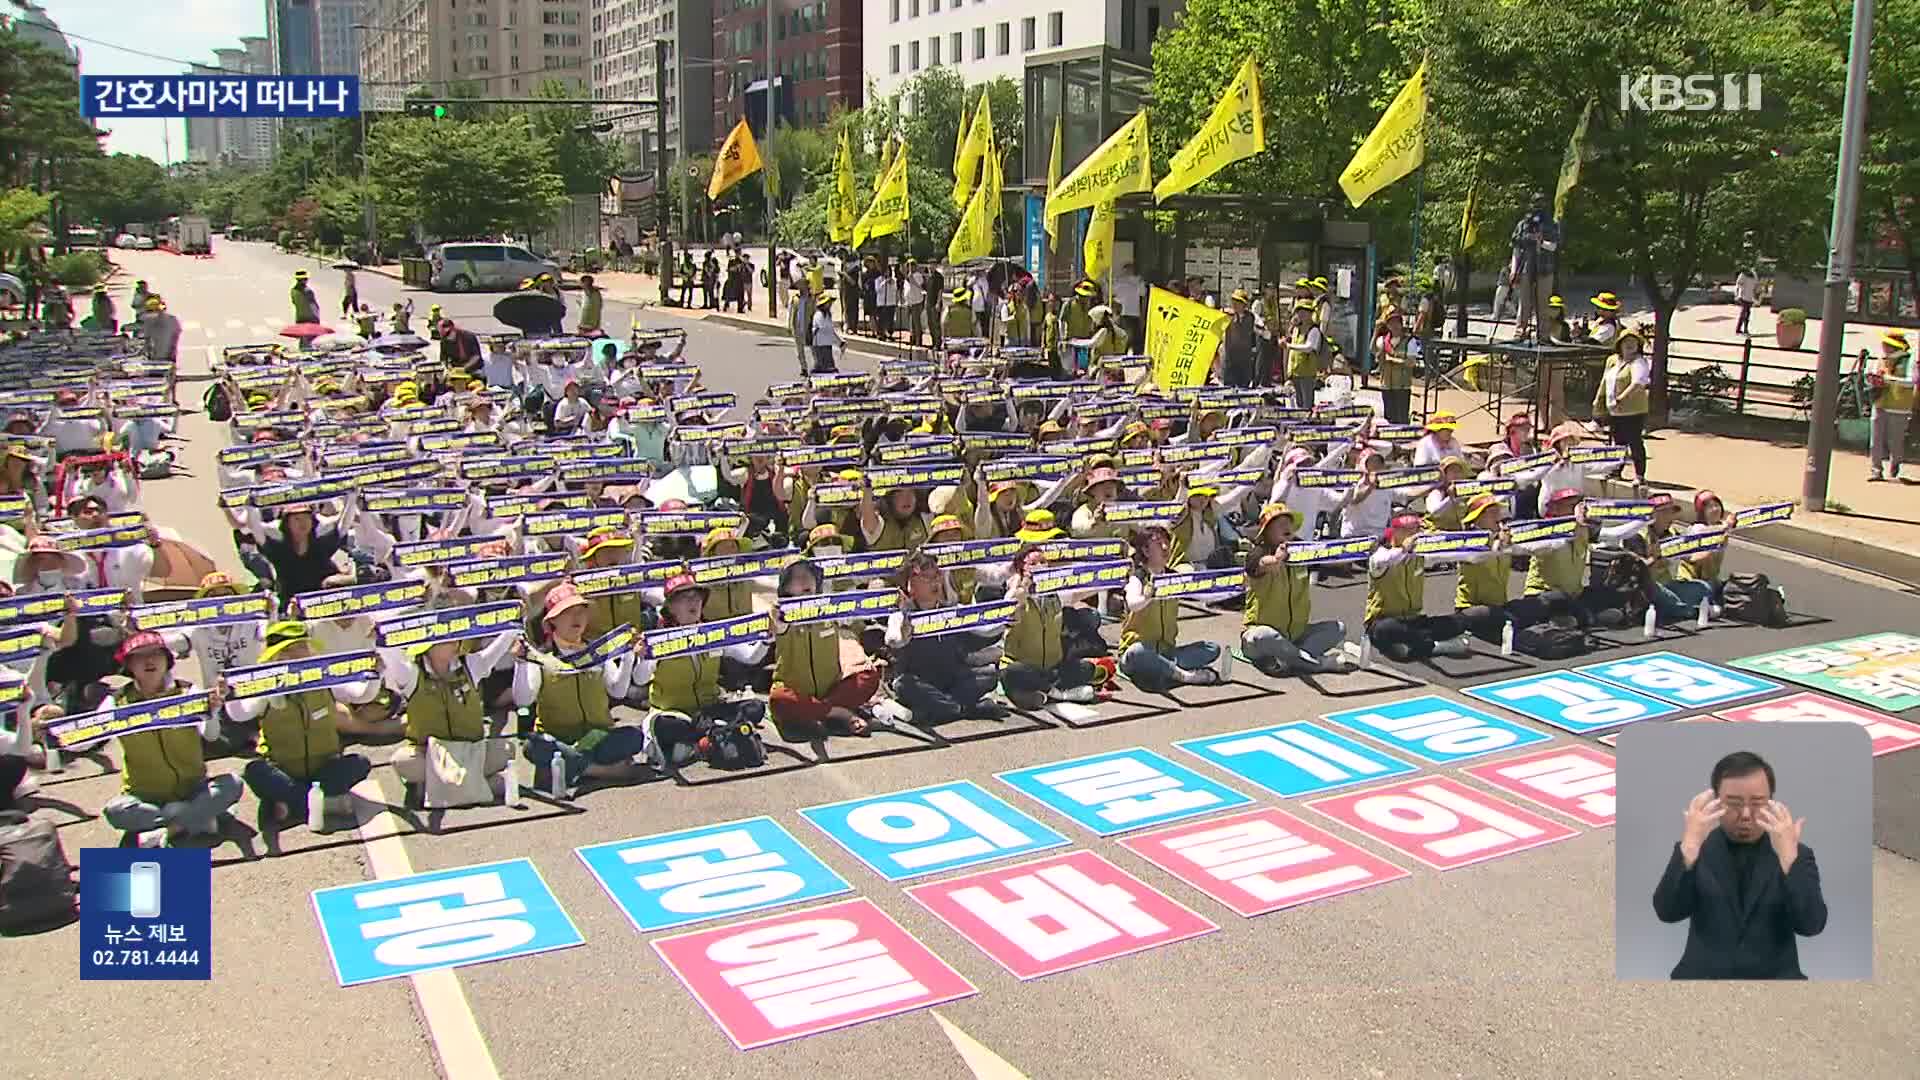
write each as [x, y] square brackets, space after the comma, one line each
[1898, 370]
[571, 701]
[958, 321]
[733, 599]
[1448, 520]
[1183, 534]
[1483, 583]
[611, 610]
[1397, 594]
[590, 311]
[1634, 403]
[1157, 625]
[1280, 599]
[895, 536]
[452, 708]
[1075, 321]
[298, 733]
[806, 658]
[1300, 363]
[1036, 634]
[1563, 569]
[1707, 569]
[686, 684]
[1396, 372]
[160, 766]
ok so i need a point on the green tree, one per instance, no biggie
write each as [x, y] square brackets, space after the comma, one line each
[466, 179]
[20, 210]
[121, 188]
[583, 159]
[42, 134]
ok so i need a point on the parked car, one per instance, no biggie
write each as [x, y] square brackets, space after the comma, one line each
[13, 291]
[464, 266]
[143, 243]
[125, 240]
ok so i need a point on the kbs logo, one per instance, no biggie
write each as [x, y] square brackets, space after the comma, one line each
[1690, 93]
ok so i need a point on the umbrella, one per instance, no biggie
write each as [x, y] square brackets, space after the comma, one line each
[177, 564]
[332, 342]
[399, 342]
[305, 330]
[525, 311]
[346, 264]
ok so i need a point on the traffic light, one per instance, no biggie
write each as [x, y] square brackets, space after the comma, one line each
[433, 109]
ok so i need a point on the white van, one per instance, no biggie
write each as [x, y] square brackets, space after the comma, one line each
[464, 266]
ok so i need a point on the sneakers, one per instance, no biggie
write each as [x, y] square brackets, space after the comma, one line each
[1456, 647]
[1078, 695]
[988, 710]
[1270, 666]
[1336, 662]
[152, 838]
[890, 711]
[1223, 667]
[1874, 477]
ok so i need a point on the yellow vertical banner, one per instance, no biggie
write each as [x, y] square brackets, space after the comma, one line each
[1183, 337]
[1097, 251]
[1053, 181]
[973, 238]
[1397, 146]
[1469, 228]
[738, 159]
[840, 212]
[1236, 129]
[978, 143]
[889, 212]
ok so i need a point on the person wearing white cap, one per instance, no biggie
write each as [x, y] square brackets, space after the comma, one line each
[1895, 380]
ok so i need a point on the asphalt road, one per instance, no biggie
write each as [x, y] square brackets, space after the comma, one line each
[1504, 969]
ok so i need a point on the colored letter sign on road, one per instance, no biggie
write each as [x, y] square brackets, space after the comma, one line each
[1573, 780]
[1441, 821]
[673, 879]
[927, 830]
[1882, 670]
[1435, 729]
[448, 918]
[800, 973]
[1058, 913]
[1679, 680]
[1888, 733]
[1571, 702]
[1295, 759]
[1612, 738]
[1111, 793]
[1262, 861]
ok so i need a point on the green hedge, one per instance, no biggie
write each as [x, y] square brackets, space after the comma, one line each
[79, 269]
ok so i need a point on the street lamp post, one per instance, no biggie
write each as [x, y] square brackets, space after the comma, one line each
[767, 185]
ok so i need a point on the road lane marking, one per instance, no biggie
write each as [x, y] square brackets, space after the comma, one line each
[235, 324]
[451, 1025]
[984, 1063]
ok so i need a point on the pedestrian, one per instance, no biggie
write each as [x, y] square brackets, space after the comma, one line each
[885, 296]
[306, 306]
[349, 303]
[689, 276]
[1746, 293]
[590, 306]
[1238, 346]
[826, 340]
[400, 321]
[1303, 355]
[913, 302]
[160, 332]
[936, 298]
[983, 296]
[1894, 380]
[460, 349]
[1396, 371]
[1621, 400]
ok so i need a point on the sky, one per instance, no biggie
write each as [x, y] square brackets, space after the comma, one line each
[175, 31]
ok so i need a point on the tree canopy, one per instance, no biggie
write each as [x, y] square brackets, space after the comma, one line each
[466, 179]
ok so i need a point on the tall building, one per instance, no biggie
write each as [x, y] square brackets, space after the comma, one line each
[987, 39]
[234, 140]
[32, 23]
[624, 32]
[503, 48]
[816, 60]
[293, 35]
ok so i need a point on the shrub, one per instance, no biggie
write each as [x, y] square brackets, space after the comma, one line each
[1704, 389]
[1793, 315]
[79, 270]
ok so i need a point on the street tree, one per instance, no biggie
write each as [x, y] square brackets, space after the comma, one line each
[120, 188]
[466, 179]
[583, 159]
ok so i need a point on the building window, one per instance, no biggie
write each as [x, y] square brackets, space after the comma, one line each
[979, 42]
[933, 51]
[893, 60]
[1056, 31]
[1026, 34]
[913, 9]
[1127, 41]
[1153, 24]
[1003, 39]
[933, 7]
[913, 56]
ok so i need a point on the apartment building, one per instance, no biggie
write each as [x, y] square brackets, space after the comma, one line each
[816, 60]
[234, 140]
[623, 36]
[987, 39]
[506, 48]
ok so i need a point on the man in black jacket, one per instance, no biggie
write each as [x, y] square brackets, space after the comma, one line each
[460, 350]
[1741, 878]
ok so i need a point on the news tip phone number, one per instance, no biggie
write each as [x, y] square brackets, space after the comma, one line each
[145, 957]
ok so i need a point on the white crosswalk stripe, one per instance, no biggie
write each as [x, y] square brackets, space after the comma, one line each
[235, 324]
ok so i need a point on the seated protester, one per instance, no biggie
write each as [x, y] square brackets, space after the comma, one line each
[300, 740]
[1562, 473]
[933, 679]
[1557, 574]
[685, 691]
[1709, 514]
[572, 412]
[17, 477]
[1004, 509]
[444, 686]
[811, 696]
[1203, 537]
[895, 523]
[745, 666]
[961, 582]
[1090, 518]
[1365, 508]
[1674, 598]
[70, 434]
[84, 653]
[1443, 507]
[1150, 651]
[290, 640]
[1041, 659]
[111, 478]
[1278, 635]
[1082, 622]
[609, 547]
[165, 792]
[765, 493]
[300, 549]
[1396, 622]
[1313, 503]
[1480, 599]
[223, 646]
[573, 706]
[645, 437]
[1439, 442]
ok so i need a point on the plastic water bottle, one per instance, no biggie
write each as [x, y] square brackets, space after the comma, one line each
[1648, 625]
[210, 727]
[54, 764]
[316, 809]
[558, 782]
[510, 785]
[1705, 617]
[1506, 640]
[1366, 651]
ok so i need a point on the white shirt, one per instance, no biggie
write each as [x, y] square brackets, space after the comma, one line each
[885, 294]
[570, 414]
[1620, 376]
[913, 293]
[1746, 288]
[824, 332]
[981, 288]
[1431, 449]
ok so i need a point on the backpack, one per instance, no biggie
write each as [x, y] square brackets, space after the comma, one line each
[1546, 641]
[156, 466]
[218, 403]
[37, 890]
[733, 745]
[1751, 598]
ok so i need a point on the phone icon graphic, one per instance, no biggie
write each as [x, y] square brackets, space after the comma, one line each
[143, 890]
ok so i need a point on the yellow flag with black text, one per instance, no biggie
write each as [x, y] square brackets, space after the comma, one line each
[973, 149]
[1570, 162]
[1397, 146]
[886, 164]
[1053, 182]
[888, 213]
[973, 238]
[960, 136]
[1236, 129]
[1117, 167]
[739, 158]
[1183, 337]
[840, 196]
[1097, 250]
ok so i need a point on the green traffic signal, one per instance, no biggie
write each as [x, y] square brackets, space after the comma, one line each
[439, 112]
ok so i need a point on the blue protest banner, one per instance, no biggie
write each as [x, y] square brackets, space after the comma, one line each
[86, 729]
[1122, 790]
[209, 611]
[447, 918]
[309, 673]
[146, 914]
[679, 878]
[507, 570]
[1295, 759]
[672, 641]
[300, 97]
[1679, 680]
[1436, 729]
[1571, 702]
[927, 830]
[53, 606]
[355, 600]
[840, 606]
[448, 624]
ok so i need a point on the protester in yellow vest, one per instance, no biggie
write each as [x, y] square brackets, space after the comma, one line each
[1150, 651]
[938, 678]
[1557, 571]
[895, 523]
[573, 704]
[812, 696]
[1041, 660]
[1090, 518]
[1443, 506]
[606, 548]
[1480, 598]
[1397, 622]
[165, 792]
[1621, 400]
[1895, 379]
[684, 691]
[1278, 635]
[300, 740]
[1303, 355]
[1076, 320]
[958, 321]
[1709, 514]
[443, 684]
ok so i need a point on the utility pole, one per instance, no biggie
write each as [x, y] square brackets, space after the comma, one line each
[773, 292]
[660, 208]
[1833, 306]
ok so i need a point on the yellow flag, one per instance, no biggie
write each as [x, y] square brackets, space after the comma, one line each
[1053, 181]
[1397, 146]
[840, 213]
[886, 164]
[889, 211]
[994, 181]
[1097, 251]
[739, 158]
[979, 143]
[1118, 166]
[1182, 338]
[973, 239]
[960, 137]
[1237, 129]
[1470, 229]
[1570, 162]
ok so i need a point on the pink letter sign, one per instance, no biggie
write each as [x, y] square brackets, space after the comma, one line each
[1262, 861]
[1575, 780]
[1888, 733]
[1441, 822]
